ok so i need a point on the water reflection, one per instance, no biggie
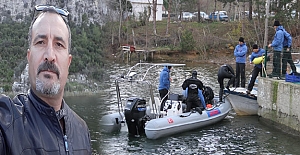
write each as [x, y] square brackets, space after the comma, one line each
[233, 135]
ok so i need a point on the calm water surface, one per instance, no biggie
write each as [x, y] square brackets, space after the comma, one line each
[233, 135]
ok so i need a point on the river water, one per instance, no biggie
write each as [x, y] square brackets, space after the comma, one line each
[234, 135]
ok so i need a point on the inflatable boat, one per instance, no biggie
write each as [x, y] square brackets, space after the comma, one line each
[141, 117]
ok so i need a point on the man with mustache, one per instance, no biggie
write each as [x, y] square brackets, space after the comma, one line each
[40, 122]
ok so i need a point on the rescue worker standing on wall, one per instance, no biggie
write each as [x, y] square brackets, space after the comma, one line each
[193, 84]
[277, 45]
[225, 71]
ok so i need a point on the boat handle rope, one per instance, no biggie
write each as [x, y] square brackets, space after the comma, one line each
[186, 115]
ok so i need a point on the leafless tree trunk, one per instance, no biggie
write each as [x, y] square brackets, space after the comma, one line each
[199, 15]
[169, 12]
[236, 11]
[147, 23]
[215, 6]
[297, 10]
[120, 22]
[154, 15]
[244, 17]
[266, 23]
[250, 9]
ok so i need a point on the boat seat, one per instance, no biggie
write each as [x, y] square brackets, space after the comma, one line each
[174, 97]
[157, 104]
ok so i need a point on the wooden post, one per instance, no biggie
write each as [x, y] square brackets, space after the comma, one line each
[152, 55]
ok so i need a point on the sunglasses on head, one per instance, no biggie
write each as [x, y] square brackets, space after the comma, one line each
[46, 8]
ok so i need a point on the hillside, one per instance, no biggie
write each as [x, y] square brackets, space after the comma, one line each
[205, 41]
[94, 45]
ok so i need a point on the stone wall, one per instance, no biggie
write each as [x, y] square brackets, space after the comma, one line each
[279, 101]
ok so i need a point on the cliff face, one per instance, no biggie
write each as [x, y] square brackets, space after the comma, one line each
[19, 10]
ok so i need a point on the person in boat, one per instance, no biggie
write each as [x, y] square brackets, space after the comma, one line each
[194, 85]
[225, 72]
[40, 121]
[240, 52]
[257, 52]
[164, 85]
[200, 95]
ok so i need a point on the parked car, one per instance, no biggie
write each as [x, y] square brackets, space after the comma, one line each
[222, 16]
[246, 13]
[293, 14]
[203, 15]
[271, 14]
[224, 12]
[186, 16]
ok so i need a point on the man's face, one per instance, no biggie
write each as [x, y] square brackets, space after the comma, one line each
[48, 55]
[255, 50]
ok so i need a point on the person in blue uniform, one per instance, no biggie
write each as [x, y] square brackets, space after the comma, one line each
[240, 52]
[277, 45]
[286, 55]
[164, 85]
[257, 52]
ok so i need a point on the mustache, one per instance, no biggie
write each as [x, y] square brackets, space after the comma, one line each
[48, 66]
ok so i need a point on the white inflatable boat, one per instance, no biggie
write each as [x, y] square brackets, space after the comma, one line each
[139, 117]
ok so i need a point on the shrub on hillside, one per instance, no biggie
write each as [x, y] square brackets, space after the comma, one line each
[187, 41]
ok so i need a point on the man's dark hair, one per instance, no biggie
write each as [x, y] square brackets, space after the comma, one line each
[194, 74]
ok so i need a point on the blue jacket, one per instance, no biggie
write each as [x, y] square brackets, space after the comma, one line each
[164, 79]
[287, 42]
[277, 42]
[240, 52]
[254, 55]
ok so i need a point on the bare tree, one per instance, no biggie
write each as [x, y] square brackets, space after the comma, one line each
[169, 12]
[266, 23]
[154, 15]
[250, 9]
[199, 15]
[120, 21]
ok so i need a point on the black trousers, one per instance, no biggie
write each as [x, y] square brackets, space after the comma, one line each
[287, 58]
[162, 94]
[276, 63]
[254, 75]
[240, 75]
[221, 82]
[193, 101]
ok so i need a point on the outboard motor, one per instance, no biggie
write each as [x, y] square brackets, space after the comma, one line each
[135, 111]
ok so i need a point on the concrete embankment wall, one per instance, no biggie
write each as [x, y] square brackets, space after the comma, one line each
[279, 101]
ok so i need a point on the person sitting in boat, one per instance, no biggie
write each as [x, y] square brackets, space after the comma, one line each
[225, 71]
[200, 95]
[208, 95]
[164, 85]
[193, 84]
[257, 52]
